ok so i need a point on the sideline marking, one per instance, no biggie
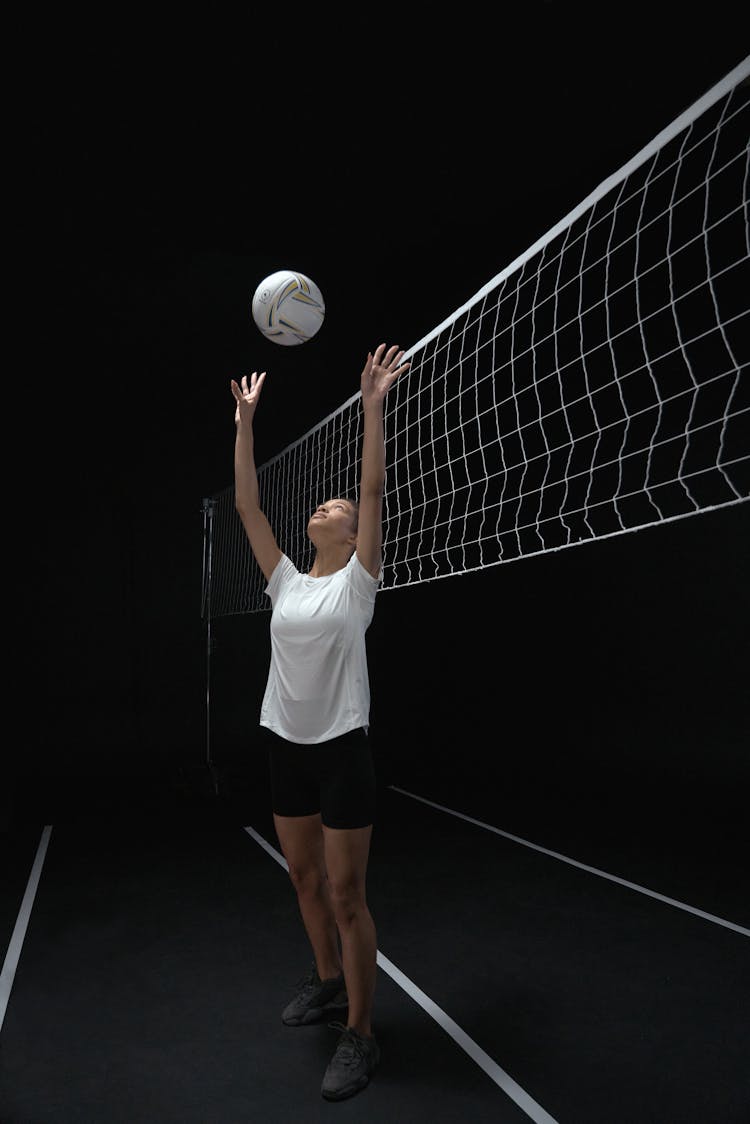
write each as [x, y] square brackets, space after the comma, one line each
[581, 866]
[13, 954]
[533, 1110]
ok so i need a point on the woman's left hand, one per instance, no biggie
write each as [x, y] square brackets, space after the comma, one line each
[380, 372]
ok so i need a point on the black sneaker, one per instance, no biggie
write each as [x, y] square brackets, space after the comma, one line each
[352, 1066]
[317, 999]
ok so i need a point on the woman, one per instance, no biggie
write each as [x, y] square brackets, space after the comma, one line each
[316, 704]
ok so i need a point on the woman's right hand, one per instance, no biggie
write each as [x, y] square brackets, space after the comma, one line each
[247, 397]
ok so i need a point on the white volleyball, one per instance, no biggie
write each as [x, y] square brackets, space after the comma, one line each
[288, 307]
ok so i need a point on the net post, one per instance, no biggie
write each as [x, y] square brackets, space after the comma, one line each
[208, 512]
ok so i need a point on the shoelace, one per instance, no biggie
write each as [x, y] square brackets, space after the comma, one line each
[351, 1047]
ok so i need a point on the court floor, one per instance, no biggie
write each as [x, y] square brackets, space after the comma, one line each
[531, 967]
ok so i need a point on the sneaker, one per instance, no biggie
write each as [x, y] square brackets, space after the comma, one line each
[352, 1065]
[317, 999]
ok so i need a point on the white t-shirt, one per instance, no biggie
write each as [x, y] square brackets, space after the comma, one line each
[318, 686]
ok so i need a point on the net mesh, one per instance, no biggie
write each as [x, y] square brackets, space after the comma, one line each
[595, 387]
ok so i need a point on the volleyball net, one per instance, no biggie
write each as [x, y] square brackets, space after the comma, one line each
[597, 386]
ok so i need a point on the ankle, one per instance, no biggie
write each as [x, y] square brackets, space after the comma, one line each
[328, 975]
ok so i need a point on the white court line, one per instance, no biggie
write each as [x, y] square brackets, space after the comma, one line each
[581, 866]
[13, 954]
[533, 1110]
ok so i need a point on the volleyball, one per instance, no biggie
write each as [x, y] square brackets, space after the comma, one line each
[288, 308]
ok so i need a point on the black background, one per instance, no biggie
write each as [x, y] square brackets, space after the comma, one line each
[401, 165]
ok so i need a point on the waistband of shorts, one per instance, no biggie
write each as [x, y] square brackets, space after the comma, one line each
[357, 735]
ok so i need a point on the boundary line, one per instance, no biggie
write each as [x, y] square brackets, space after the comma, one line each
[581, 866]
[13, 954]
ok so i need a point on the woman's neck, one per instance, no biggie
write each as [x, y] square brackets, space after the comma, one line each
[328, 562]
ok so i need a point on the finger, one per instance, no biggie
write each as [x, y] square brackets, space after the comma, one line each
[244, 382]
[400, 371]
[396, 360]
[389, 356]
[378, 353]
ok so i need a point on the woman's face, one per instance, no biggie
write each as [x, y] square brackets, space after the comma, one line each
[333, 522]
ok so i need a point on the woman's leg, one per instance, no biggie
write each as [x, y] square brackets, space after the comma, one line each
[346, 855]
[301, 839]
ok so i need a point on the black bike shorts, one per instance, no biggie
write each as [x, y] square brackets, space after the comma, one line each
[334, 778]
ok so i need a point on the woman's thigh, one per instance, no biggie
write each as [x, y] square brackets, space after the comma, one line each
[295, 785]
[301, 839]
[347, 783]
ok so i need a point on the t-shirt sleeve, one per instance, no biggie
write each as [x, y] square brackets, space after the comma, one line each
[361, 580]
[283, 573]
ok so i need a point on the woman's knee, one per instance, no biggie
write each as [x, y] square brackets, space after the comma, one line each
[348, 901]
[308, 880]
